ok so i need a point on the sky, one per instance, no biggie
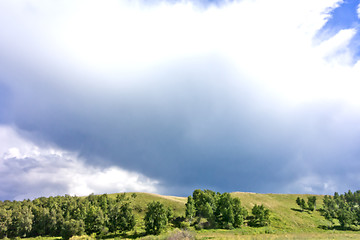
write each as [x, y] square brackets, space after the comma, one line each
[171, 96]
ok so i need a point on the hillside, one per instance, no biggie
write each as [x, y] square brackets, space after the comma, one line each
[287, 221]
[285, 214]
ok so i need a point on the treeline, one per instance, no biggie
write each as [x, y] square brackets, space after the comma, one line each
[344, 207]
[100, 215]
[66, 216]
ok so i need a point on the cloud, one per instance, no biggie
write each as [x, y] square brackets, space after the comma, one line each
[29, 171]
[236, 96]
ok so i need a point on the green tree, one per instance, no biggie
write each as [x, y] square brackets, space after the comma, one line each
[155, 218]
[224, 214]
[240, 213]
[329, 208]
[72, 228]
[5, 222]
[205, 204]
[95, 221]
[261, 216]
[127, 218]
[311, 203]
[21, 222]
[190, 210]
[170, 214]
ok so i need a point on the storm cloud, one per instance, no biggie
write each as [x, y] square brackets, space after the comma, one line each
[238, 96]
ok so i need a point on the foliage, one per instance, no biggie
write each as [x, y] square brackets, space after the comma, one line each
[72, 228]
[219, 210]
[156, 218]
[64, 216]
[345, 208]
[190, 210]
[310, 205]
[261, 216]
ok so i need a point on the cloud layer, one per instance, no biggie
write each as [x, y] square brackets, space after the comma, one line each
[242, 96]
[29, 171]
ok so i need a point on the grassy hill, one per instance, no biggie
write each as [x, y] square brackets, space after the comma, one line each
[287, 220]
[285, 213]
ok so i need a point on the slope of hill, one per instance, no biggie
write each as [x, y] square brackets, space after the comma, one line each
[285, 213]
[287, 220]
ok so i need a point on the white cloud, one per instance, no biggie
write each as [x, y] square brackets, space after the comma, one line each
[28, 171]
[358, 11]
[124, 43]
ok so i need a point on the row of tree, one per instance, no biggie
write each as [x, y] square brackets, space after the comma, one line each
[310, 205]
[66, 216]
[344, 207]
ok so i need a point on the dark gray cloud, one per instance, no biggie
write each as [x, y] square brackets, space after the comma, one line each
[201, 120]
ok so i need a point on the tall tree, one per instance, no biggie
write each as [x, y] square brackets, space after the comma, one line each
[155, 218]
[5, 222]
[190, 210]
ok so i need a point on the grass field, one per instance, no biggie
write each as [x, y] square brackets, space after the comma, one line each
[285, 213]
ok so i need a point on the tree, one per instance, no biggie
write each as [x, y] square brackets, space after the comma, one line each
[329, 208]
[205, 205]
[5, 222]
[190, 210]
[121, 218]
[298, 201]
[239, 213]
[261, 216]
[221, 210]
[95, 221]
[127, 218]
[301, 202]
[21, 222]
[155, 218]
[170, 214]
[312, 203]
[72, 228]
[343, 207]
[224, 212]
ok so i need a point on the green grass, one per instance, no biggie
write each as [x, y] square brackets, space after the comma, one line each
[286, 215]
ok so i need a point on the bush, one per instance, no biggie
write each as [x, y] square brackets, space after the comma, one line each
[261, 216]
[184, 225]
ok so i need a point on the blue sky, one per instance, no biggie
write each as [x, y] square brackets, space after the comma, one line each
[344, 17]
[166, 97]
